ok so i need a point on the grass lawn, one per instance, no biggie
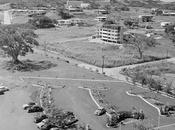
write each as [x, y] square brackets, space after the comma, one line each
[91, 53]
[64, 33]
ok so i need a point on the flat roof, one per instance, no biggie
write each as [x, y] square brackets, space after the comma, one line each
[111, 26]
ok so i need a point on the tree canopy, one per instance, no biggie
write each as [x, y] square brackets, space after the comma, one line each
[170, 31]
[42, 22]
[16, 41]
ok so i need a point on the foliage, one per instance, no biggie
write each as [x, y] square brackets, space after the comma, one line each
[170, 31]
[131, 22]
[139, 43]
[94, 5]
[150, 75]
[42, 22]
[16, 41]
[64, 13]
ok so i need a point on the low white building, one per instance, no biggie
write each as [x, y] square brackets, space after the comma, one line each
[67, 22]
[101, 18]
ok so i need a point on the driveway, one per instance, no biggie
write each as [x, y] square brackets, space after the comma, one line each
[79, 101]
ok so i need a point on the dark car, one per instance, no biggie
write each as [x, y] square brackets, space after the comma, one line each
[28, 105]
[100, 111]
[71, 122]
[40, 118]
[35, 109]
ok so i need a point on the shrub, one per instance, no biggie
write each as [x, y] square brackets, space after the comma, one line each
[42, 22]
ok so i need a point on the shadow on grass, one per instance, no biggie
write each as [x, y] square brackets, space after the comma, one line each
[29, 65]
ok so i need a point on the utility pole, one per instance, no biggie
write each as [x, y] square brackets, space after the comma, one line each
[103, 61]
[45, 48]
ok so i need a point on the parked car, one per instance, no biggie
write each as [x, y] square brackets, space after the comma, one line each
[35, 108]
[28, 105]
[71, 122]
[45, 125]
[100, 111]
[40, 118]
[3, 89]
[42, 123]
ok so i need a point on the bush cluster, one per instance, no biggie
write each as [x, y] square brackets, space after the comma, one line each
[146, 75]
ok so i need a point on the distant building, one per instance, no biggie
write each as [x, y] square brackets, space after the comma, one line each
[85, 5]
[111, 33]
[75, 11]
[76, 4]
[103, 2]
[146, 18]
[164, 24]
[101, 18]
[168, 13]
[101, 11]
[73, 4]
[64, 22]
[68, 22]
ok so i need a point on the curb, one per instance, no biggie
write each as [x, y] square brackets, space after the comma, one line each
[92, 97]
[145, 101]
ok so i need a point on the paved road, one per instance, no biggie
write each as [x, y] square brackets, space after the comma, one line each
[12, 116]
[79, 101]
[111, 72]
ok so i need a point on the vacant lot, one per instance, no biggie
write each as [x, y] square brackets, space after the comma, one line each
[91, 52]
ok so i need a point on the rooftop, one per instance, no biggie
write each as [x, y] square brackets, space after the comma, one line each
[111, 26]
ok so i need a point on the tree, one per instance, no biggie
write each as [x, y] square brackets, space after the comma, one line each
[170, 31]
[64, 13]
[17, 41]
[168, 87]
[139, 43]
[107, 8]
[42, 22]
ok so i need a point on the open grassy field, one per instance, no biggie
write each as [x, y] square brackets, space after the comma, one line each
[91, 53]
[63, 33]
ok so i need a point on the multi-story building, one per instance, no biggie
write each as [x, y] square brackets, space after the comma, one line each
[111, 33]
